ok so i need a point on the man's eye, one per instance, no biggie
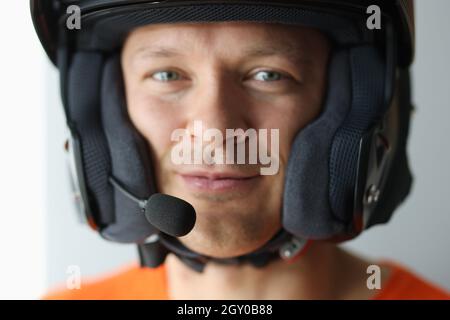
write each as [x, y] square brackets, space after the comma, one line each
[267, 76]
[166, 76]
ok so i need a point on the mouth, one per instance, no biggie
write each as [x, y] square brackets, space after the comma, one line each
[219, 182]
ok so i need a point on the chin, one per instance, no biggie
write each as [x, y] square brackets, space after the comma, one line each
[228, 242]
[230, 222]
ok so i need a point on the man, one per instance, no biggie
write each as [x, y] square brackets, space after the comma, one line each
[319, 85]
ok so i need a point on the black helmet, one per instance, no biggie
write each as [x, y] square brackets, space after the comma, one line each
[352, 172]
[49, 16]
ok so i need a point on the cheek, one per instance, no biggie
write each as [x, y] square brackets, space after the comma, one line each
[154, 120]
[289, 115]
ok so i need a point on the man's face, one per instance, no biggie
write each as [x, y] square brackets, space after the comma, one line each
[228, 76]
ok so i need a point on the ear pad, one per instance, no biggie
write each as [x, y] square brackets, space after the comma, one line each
[321, 172]
[130, 159]
[110, 146]
[84, 120]
[368, 108]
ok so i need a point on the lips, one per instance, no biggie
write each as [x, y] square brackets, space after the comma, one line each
[217, 182]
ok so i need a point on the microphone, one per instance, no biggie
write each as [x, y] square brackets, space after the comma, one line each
[170, 215]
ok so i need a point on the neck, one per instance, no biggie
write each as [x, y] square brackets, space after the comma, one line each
[324, 272]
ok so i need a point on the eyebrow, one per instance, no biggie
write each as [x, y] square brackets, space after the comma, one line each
[271, 50]
[289, 51]
[158, 52]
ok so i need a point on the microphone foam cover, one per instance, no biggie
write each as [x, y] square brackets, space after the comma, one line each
[170, 215]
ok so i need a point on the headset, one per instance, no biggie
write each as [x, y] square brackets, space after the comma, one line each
[352, 171]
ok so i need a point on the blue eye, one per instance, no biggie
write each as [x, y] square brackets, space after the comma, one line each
[166, 76]
[268, 76]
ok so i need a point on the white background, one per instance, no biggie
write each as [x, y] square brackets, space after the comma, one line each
[40, 236]
[23, 143]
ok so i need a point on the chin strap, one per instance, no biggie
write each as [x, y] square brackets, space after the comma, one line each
[283, 245]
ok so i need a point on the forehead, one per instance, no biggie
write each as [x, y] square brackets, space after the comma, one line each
[223, 35]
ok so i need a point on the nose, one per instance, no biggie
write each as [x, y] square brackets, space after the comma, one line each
[219, 103]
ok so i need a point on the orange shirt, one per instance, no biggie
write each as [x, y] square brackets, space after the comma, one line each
[133, 282]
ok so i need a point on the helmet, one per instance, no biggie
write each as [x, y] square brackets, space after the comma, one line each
[352, 171]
